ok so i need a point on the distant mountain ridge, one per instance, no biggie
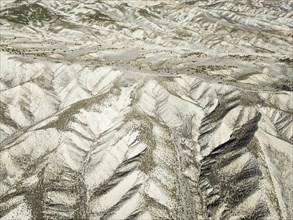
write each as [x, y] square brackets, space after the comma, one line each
[146, 110]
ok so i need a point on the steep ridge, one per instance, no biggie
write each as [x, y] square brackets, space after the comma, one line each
[146, 110]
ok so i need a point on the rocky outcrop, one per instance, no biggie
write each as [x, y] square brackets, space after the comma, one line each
[149, 110]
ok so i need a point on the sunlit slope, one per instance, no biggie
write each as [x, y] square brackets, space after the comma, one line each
[146, 110]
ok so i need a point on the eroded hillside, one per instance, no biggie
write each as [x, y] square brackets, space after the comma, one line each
[146, 110]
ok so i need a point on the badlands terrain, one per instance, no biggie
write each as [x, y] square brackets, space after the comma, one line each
[143, 110]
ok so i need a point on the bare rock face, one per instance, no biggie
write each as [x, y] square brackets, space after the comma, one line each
[146, 110]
